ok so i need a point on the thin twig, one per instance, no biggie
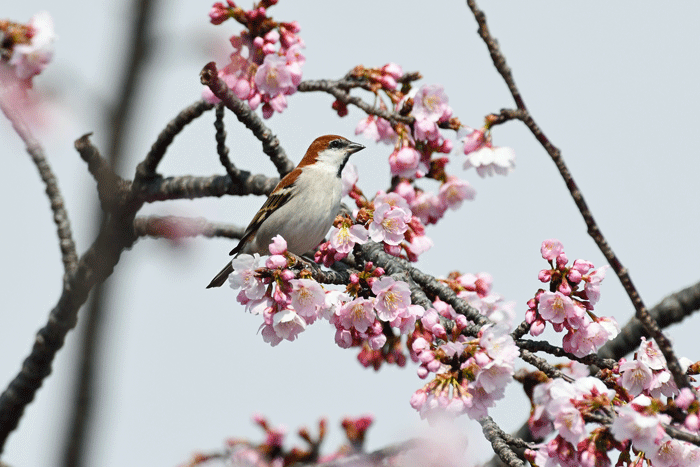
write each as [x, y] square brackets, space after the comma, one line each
[270, 142]
[339, 90]
[594, 231]
[221, 148]
[147, 168]
[541, 346]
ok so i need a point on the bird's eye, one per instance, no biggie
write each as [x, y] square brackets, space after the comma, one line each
[335, 144]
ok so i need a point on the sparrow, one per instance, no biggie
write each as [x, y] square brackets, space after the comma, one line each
[302, 206]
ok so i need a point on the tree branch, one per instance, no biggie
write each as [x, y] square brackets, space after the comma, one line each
[594, 231]
[270, 142]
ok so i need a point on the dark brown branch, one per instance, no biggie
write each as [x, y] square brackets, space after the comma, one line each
[93, 267]
[191, 187]
[221, 148]
[111, 189]
[428, 284]
[543, 365]
[147, 169]
[672, 309]
[271, 145]
[594, 231]
[497, 439]
[542, 346]
[69, 255]
[339, 90]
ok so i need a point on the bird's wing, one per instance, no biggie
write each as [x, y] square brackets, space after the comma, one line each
[274, 201]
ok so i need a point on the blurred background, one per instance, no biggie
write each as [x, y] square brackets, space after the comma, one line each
[180, 368]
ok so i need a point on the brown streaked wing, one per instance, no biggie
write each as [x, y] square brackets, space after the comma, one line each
[273, 202]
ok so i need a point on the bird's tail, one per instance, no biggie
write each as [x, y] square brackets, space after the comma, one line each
[220, 278]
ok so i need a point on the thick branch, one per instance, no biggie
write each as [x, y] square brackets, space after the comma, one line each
[672, 309]
[190, 187]
[427, 283]
[497, 439]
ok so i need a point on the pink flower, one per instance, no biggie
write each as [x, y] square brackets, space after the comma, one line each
[243, 276]
[556, 307]
[454, 192]
[636, 377]
[643, 430]
[307, 298]
[288, 324]
[489, 160]
[592, 286]
[472, 139]
[393, 297]
[404, 162]
[430, 103]
[427, 207]
[650, 354]
[349, 178]
[426, 130]
[218, 13]
[358, 314]
[273, 77]
[551, 249]
[31, 59]
[278, 246]
[389, 224]
[344, 238]
[367, 127]
[406, 320]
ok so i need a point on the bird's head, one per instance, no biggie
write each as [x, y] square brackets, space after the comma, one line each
[330, 150]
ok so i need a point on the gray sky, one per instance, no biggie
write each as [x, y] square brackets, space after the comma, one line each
[614, 86]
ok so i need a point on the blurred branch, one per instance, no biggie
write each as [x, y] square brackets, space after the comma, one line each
[93, 267]
[173, 228]
[69, 254]
[270, 142]
[594, 231]
[109, 187]
[672, 309]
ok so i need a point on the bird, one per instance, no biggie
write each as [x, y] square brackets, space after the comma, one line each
[302, 206]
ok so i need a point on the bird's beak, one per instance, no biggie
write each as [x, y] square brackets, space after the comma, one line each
[354, 147]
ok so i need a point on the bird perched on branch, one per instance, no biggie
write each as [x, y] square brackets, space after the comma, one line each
[302, 206]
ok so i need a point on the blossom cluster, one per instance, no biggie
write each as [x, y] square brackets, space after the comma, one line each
[273, 452]
[638, 424]
[387, 219]
[568, 305]
[648, 374]
[26, 48]
[266, 63]
[470, 374]
[371, 303]
[420, 149]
